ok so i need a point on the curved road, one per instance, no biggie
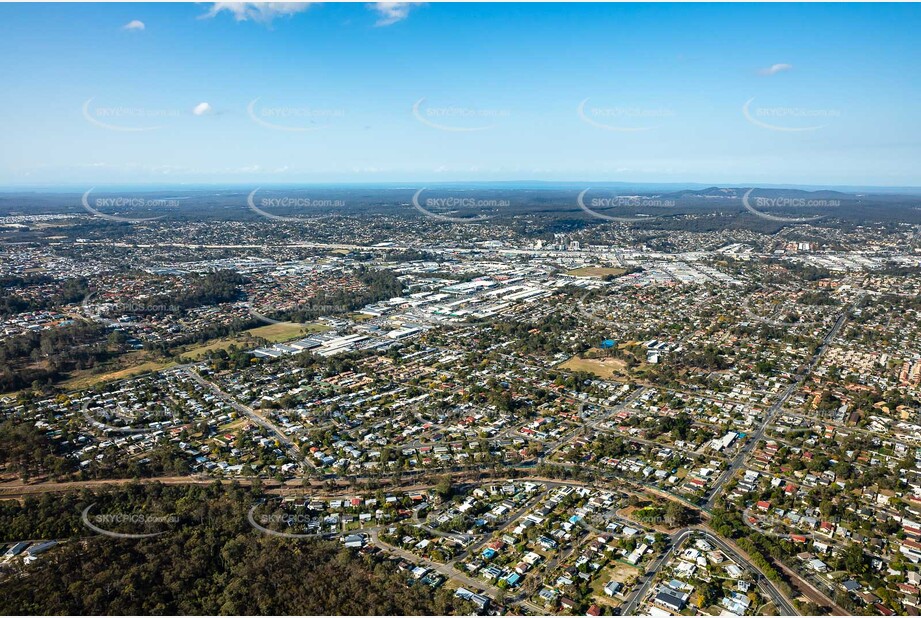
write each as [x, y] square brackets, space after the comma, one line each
[678, 539]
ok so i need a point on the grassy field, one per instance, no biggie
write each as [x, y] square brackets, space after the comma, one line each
[596, 271]
[86, 380]
[630, 513]
[200, 351]
[137, 363]
[273, 333]
[233, 425]
[605, 368]
[124, 366]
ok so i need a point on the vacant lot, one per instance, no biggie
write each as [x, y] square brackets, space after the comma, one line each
[596, 271]
[615, 571]
[218, 344]
[606, 368]
[285, 331]
[273, 333]
[85, 380]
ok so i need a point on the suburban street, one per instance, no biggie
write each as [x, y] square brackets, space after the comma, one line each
[739, 461]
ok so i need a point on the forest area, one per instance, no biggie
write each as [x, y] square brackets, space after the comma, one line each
[207, 561]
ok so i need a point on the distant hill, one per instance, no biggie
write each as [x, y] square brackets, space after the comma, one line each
[737, 193]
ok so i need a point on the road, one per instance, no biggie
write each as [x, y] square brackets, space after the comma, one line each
[418, 521]
[254, 416]
[764, 584]
[755, 438]
[452, 573]
[677, 540]
[609, 411]
[637, 440]
[512, 518]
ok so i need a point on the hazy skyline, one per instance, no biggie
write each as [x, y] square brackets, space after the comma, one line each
[183, 93]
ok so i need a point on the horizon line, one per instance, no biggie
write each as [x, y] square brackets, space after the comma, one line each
[409, 183]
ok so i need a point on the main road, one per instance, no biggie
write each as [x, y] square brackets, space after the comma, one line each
[678, 540]
[254, 416]
[764, 584]
[755, 438]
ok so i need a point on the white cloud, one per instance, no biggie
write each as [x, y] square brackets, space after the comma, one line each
[392, 12]
[263, 12]
[134, 24]
[775, 68]
[202, 108]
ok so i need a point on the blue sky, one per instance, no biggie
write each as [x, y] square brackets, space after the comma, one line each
[717, 93]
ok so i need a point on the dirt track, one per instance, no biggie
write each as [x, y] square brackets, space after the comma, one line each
[18, 489]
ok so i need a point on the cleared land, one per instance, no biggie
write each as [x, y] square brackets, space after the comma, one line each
[273, 333]
[615, 571]
[596, 271]
[602, 367]
[136, 363]
[84, 380]
[285, 331]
